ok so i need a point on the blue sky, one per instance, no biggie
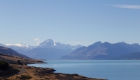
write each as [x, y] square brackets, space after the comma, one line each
[69, 21]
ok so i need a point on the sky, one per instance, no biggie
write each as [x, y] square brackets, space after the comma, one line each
[69, 21]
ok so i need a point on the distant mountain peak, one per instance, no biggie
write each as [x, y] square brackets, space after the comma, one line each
[122, 42]
[48, 43]
[98, 43]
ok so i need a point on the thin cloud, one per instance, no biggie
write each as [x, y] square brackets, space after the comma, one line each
[37, 40]
[127, 6]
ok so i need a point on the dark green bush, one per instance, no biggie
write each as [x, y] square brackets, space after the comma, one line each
[3, 65]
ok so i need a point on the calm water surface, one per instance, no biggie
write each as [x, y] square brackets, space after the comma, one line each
[108, 69]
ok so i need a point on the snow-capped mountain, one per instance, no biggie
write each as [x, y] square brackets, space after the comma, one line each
[48, 49]
[49, 43]
[20, 45]
[21, 48]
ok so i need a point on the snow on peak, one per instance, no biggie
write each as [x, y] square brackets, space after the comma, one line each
[19, 45]
[48, 43]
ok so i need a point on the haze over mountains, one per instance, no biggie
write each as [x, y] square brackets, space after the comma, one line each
[51, 50]
[106, 51]
[48, 49]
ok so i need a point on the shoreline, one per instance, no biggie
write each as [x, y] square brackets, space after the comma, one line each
[69, 74]
[21, 71]
[24, 72]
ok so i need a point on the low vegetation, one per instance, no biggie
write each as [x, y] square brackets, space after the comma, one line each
[3, 65]
[37, 73]
[24, 77]
[15, 68]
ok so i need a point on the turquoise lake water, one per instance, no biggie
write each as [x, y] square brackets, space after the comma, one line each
[108, 69]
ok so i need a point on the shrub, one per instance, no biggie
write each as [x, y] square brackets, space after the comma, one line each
[19, 62]
[3, 65]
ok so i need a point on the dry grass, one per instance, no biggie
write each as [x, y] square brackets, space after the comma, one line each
[14, 59]
[23, 72]
[36, 73]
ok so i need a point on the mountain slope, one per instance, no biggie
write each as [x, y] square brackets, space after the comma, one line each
[8, 51]
[50, 49]
[129, 56]
[20, 48]
[105, 50]
[48, 53]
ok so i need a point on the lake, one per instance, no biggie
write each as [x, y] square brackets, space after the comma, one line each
[108, 69]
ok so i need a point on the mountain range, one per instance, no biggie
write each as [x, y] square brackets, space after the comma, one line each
[106, 51]
[52, 50]
[48, 49]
